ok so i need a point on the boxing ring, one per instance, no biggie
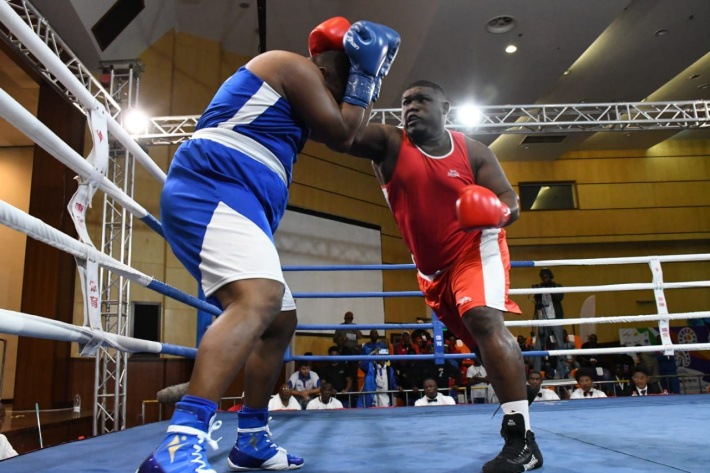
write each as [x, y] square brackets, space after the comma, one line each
[658, 434]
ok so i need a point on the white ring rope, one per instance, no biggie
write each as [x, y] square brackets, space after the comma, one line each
[46, 56]
[623, 260]
[640, 349]
[28, 124]
[611, 287]
[28, 325]
[37, 229]
[607, 320]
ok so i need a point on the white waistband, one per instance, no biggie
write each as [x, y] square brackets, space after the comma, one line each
[245, 145]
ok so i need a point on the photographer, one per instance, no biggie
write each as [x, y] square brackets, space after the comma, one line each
[549, 306]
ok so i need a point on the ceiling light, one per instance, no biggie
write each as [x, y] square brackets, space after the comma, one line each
[526, 147]
[469, 115]
[511, 48]
[694, 76]
[661, 32]
[703, 86]
[627, 134]
[567, 72]
[501, 24]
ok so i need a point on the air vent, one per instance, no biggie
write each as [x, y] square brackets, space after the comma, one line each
[501, 24]
[543, 139]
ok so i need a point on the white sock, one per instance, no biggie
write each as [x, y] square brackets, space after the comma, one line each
[518, 407]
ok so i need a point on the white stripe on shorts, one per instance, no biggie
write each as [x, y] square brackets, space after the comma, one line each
[493, 271]
[235, 248]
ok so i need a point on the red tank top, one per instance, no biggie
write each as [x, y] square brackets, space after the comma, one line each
[422, 194]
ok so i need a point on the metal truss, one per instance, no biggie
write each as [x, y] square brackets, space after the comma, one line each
[110, 388]
[40, 26]
[511, 119]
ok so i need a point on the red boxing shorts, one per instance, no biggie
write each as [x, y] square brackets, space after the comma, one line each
[478, 277]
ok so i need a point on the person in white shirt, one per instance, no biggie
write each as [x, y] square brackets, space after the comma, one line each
[6, 450]
[283, 400]
[586, 389]
[304, 383]
[535, 380]
[477, 378]
[326, 400]
[432, 396]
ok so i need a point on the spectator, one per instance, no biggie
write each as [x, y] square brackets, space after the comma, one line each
[649, 362]
[535, 380]
[432, 396]
[586, 389]
[409, 376]
[549, 306]
[420, 332]
[283, 400]
[304, 383]
[6, 450]
[379, 377]
[351, 336]
[405, 343]
[640, 385]
[478, 382]
[445, 374]
[523, 343]
[668, 370]
[585, 361]
[339, 374]
[374, 346]
[326, 400]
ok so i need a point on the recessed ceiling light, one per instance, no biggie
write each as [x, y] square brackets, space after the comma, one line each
[694, 76]
[703, 86]
[501, 24]
[567, 72]
[511, 48]
[627, 134]
[526, 147]
[661, 32]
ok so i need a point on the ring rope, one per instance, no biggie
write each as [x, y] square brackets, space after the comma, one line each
[37, 229]
[37, 131]
[28, 325]
[51, 61]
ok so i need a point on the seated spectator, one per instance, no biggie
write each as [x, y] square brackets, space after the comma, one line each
[640, 385]
[374, 346]
[586, 360]
[325, 400]
[535, 380]
[6, 450]
[304, 383]
[379, 378]
[523, 343]
[283, 400]
[338, 373]
[432, 396]
[585, 377]
[478, 381]
[446, 374]
[424, 334]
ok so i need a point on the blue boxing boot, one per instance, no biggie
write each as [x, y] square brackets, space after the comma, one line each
[183, 449]
[254, 449]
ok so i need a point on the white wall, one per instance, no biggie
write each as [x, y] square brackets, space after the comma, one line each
[307, 240]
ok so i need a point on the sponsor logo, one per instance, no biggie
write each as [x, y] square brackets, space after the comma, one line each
[464, 300]
[349, 39]
[453, 173]
[531, 464]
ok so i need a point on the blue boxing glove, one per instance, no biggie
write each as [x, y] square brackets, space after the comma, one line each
[393, 41]
[366, 45]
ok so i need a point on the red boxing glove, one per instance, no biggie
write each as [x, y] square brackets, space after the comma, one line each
[478, 208]
[328, 36]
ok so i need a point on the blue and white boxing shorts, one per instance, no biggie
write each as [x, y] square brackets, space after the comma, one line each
[219, 209]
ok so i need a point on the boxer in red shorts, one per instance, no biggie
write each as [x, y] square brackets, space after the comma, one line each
[450, 198]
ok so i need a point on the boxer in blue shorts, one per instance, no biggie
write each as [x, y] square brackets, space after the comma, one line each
[224, 196]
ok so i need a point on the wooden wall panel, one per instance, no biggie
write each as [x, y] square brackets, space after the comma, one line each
[48, 286]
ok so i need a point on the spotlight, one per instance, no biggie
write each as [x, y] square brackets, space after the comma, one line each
[511, 48]
[135, 121]
[469, 115]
